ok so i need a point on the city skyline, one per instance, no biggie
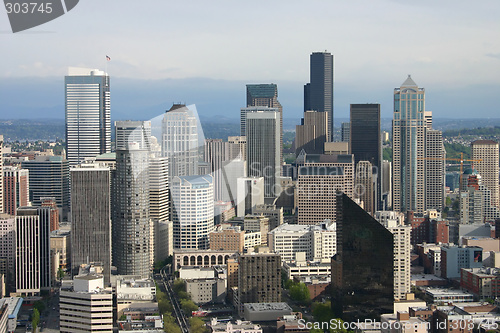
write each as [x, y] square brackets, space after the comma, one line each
[463, 66]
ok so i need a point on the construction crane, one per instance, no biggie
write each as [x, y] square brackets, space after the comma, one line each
[461, 160]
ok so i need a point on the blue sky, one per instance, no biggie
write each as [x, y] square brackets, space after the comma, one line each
[204, 52]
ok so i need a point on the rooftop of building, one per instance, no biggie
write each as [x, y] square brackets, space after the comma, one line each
[13, 305]
[267, 90]
[409, 82]
[447, 292]
[263, 307]
[147, 306]
[484, 142]
[307, 264]
[219, 326]
[426, 277]
[196, 180]
[328, 225]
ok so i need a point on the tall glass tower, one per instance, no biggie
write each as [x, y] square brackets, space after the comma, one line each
[409, 130]
[131, 229]
[88, 124]
[318, 93]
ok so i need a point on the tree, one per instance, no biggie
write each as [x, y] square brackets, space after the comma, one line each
[35, 319]
[188, 306]
[60, 274]
[197, 325]
[300, 293]
[40, 306]
[179, 285]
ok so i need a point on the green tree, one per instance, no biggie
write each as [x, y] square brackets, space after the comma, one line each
[179, 285]
[35, 319]
[300, 293]
[40, 306]
[188, 306]
[197, 325]
[387, 154]
[60, 274]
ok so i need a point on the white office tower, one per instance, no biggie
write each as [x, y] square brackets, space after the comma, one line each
[86, 308]
[263, 149]
[88, 124]
[192, 211]
[250, 193]
[131, 192]
[182, 140]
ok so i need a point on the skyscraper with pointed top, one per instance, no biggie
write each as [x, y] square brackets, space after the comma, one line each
[409, 130]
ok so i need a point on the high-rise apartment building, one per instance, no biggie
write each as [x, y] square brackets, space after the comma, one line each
[408, 131]
[88, 118]
[192, 211]
[363, 267]
[16, 189]
[259, 278]
[312, 133]
[435, 170]
[131, 234]
[180, 140]
[318, 93]
[365, 142]
[91, 217]
[264, 150]
[317, 183]
[487, 151]
[49, 177]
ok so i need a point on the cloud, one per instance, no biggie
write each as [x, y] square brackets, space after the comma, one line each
[493, 55]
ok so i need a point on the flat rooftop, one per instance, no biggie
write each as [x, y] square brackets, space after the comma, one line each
[263, 307]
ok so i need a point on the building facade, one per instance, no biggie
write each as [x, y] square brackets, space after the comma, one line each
[408, 132]
[15, 188]
[88, 114]
[91, 217]
[264, 150]
[131, 223]
[488, 152]
[318, 93]
[193, 211]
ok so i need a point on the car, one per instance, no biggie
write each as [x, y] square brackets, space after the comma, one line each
[53, 308]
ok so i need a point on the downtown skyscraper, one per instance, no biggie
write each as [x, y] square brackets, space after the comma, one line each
[409, 130]
[131, 228]
[88, 122]
[318, 93]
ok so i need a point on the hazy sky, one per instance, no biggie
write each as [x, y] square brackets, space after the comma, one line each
[452, 48]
